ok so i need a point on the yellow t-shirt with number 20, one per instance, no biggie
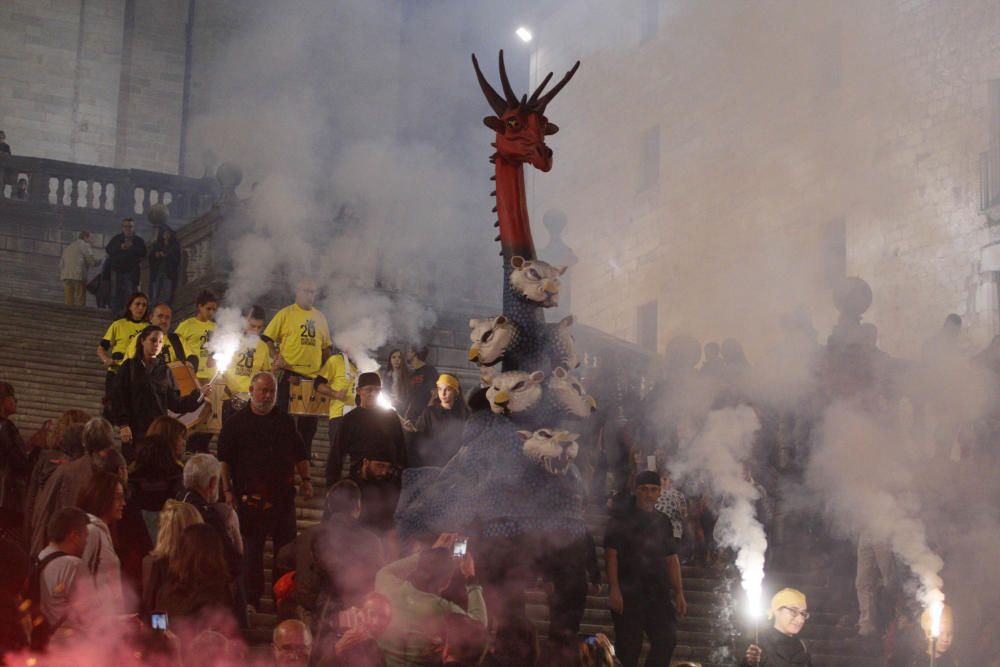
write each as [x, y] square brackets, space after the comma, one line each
[301, 336]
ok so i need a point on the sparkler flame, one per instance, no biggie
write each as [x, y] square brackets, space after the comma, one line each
[224, 349]
[752, 586]
[384, 402]
[936, 610]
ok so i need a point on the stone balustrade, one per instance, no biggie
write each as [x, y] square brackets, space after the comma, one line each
[57, 187]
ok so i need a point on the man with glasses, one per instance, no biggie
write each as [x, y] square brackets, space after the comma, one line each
[779, 646]
[125, 251]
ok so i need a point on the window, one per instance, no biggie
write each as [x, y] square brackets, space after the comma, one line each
[649, 159]
[646, 326]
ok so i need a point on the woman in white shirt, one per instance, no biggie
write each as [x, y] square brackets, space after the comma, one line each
[103, 500]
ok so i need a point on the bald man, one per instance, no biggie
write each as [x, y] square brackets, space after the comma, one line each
[173, 348]
[299, 340]
[291, 643]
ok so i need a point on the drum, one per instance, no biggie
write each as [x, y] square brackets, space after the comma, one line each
[210, 417]
[303, 400]
[184, 377]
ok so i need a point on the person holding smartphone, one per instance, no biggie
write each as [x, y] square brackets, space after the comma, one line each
[420, 614]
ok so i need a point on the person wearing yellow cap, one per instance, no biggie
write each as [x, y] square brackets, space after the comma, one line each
[437, 432]
[779, 645]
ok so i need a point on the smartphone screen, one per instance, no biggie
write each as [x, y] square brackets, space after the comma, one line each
[460, 548]
[159, 621]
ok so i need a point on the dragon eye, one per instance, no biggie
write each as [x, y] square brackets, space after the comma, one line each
[545, 434]
[518, 387]
[533, 274]
[487, 335]
[514, 123]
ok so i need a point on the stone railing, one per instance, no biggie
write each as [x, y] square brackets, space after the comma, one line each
[54, 186]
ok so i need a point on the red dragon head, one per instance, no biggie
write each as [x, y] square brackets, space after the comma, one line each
[521, 125]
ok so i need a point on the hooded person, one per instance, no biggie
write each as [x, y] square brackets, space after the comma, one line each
[779, 645]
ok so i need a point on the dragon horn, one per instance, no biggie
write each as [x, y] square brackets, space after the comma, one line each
[505, 82]
[493, 97]
[543, 102]
[538, 91]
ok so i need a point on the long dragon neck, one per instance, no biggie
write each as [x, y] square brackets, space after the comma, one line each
[512, 211]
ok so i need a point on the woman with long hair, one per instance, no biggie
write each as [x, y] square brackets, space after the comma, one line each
[164, 263]
[175, 517]
[396, 380]
[113, 348]
[156, 477]
[103, 499]
[437, 432]
[174, 431]
[197, 574]
[144, 389]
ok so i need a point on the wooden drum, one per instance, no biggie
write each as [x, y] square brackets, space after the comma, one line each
[303, 400]
[184, 377]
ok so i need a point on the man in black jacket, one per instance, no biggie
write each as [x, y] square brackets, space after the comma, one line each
[369, 431]
[125, 251]
[14, 467]
[261, 451]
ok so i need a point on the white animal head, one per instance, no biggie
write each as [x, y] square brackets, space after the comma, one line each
[569, 393]
[536, 280]
[550, 449]
[515, 391]
[490, 339]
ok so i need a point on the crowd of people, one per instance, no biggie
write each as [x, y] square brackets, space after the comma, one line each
[129, 516]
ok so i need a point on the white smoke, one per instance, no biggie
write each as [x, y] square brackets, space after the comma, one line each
[860, 469]
[716, 456]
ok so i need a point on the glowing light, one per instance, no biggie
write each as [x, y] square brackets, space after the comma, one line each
[224, 348]
[936, 609]
[384, 402]
[524, 34]
[753, 588]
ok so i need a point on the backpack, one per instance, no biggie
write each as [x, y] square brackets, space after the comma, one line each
[41, 630]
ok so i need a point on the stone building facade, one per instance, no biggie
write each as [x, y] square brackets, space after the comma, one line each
[721, 163]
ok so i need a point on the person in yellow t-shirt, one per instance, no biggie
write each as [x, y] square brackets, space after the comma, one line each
[299, 340]
[253, 358]
[194, 333]
[337, 379]
[173, 348]
[117, 342]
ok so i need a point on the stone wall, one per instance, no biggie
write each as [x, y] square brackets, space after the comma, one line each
[94, 81]
[794, 142]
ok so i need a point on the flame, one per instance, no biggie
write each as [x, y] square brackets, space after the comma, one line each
[384, 402]
[936, 609]
[753, 587]
[224, 348]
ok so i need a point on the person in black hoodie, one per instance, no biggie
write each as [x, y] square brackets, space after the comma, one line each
[156, 478]
[144, 389]
[779, 645]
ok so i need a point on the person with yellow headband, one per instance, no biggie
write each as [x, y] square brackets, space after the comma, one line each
[437, 432]
[779, 645]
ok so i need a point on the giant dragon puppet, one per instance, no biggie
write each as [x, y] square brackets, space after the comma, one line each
[513, 485]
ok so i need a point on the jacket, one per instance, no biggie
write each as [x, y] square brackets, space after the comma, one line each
[101, 561]
[15, 468]
[76, 258]
[140, 394]
[780, 650]
[417, 616]
[125, 260]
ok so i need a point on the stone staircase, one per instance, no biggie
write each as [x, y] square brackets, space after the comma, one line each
[47, 353]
